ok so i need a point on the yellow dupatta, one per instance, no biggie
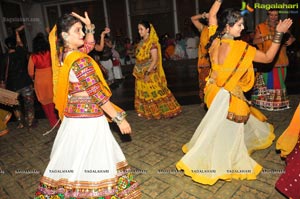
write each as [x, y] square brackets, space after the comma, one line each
[237, 68]
[202, 51]
[289, 138]
[143, 53]
[237, 64]
[61, 75]
[236, 75]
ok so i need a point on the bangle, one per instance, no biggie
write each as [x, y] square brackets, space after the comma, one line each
[268, 37]
[220, 1]
[118, 119]
[90, 30]
[277, 37]
[147, 73]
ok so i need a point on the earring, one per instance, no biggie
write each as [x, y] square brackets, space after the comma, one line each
[65, 36]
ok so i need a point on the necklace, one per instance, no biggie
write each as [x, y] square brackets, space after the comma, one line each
[227, 36]
[67, 49]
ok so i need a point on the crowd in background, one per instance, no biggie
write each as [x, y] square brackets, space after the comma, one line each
[120, 51]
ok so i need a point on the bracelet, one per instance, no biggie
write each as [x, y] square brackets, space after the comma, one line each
[90, 30]
[277, 37]
[119, 117]
[220, 1]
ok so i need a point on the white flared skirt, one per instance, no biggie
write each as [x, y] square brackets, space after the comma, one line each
[84, 150]
[87, 162]
[220, 148]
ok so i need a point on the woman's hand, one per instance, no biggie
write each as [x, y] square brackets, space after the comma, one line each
[20, 28]
[124, 127]
[86, 20]
[105, 31]
[283, 26]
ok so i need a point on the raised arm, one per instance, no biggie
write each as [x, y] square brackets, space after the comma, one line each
[89, 27]
[267, 57]
[18, 38]
[196, 22]
[100, 46]
[89, 40]
[212, 15]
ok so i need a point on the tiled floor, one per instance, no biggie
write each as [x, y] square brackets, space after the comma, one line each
[155, 147]
[153, 152]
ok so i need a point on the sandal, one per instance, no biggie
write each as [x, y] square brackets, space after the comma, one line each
[7, 118]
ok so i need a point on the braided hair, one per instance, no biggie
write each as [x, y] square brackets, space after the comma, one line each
[228, 17]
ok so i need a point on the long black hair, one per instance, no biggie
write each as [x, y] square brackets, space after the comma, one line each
[64, 24]
[40, 44]
[228, 17]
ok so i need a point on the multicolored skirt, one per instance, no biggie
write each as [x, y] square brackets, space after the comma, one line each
[153, 99]
[87, 162]
[269, 92]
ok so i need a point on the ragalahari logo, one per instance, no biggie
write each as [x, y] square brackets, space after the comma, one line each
[246, 8]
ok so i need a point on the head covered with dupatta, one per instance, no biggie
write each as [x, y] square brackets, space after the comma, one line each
[143, 53]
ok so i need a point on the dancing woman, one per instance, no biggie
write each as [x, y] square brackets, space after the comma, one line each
[39, 69]
[86, 161]
[231, 129]
[270, 90]
[153, 99]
